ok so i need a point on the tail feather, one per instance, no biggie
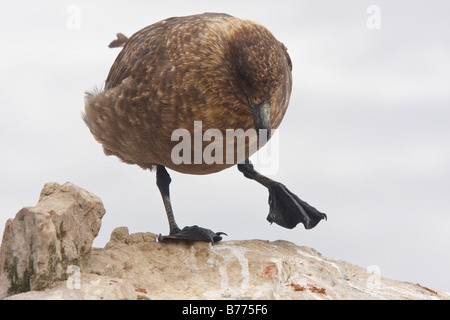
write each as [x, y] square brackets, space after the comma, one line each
[98, 118]
[119, 42]
[109, 116]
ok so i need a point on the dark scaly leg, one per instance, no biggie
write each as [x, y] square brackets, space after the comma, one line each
[286, 209]
[163, 181]
[193, 233]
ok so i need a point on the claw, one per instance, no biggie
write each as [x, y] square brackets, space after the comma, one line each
[287, 210]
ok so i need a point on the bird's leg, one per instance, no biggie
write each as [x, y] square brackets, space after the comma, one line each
[162, 181]
[193, 233]
[286, 209]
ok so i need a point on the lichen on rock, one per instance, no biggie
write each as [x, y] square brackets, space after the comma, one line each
[42, 241]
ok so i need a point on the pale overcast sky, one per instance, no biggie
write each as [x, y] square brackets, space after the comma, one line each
[366, 138]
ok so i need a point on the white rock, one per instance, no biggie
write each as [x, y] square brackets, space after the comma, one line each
[47, 244]
[91, 287]
[252, 269]
[42, 241]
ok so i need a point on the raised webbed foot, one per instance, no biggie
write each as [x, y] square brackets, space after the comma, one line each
[287, 210]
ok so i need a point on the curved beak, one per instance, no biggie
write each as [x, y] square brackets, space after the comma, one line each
[261, 118]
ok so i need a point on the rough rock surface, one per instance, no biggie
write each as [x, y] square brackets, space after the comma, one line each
[251, 269]
[91, 287]
[42, 241]
[136, 266]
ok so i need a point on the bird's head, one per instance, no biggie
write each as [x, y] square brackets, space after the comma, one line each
[262, 70]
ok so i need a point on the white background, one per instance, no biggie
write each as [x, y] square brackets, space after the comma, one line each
[365, 139]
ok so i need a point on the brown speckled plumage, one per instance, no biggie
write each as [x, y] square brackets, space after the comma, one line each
[198, 68]
[214, 69]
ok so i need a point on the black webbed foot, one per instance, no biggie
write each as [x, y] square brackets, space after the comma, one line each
[287, 210]
[193, 233]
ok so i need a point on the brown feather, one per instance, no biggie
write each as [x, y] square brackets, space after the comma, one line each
[119, 42]
[197, 68]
